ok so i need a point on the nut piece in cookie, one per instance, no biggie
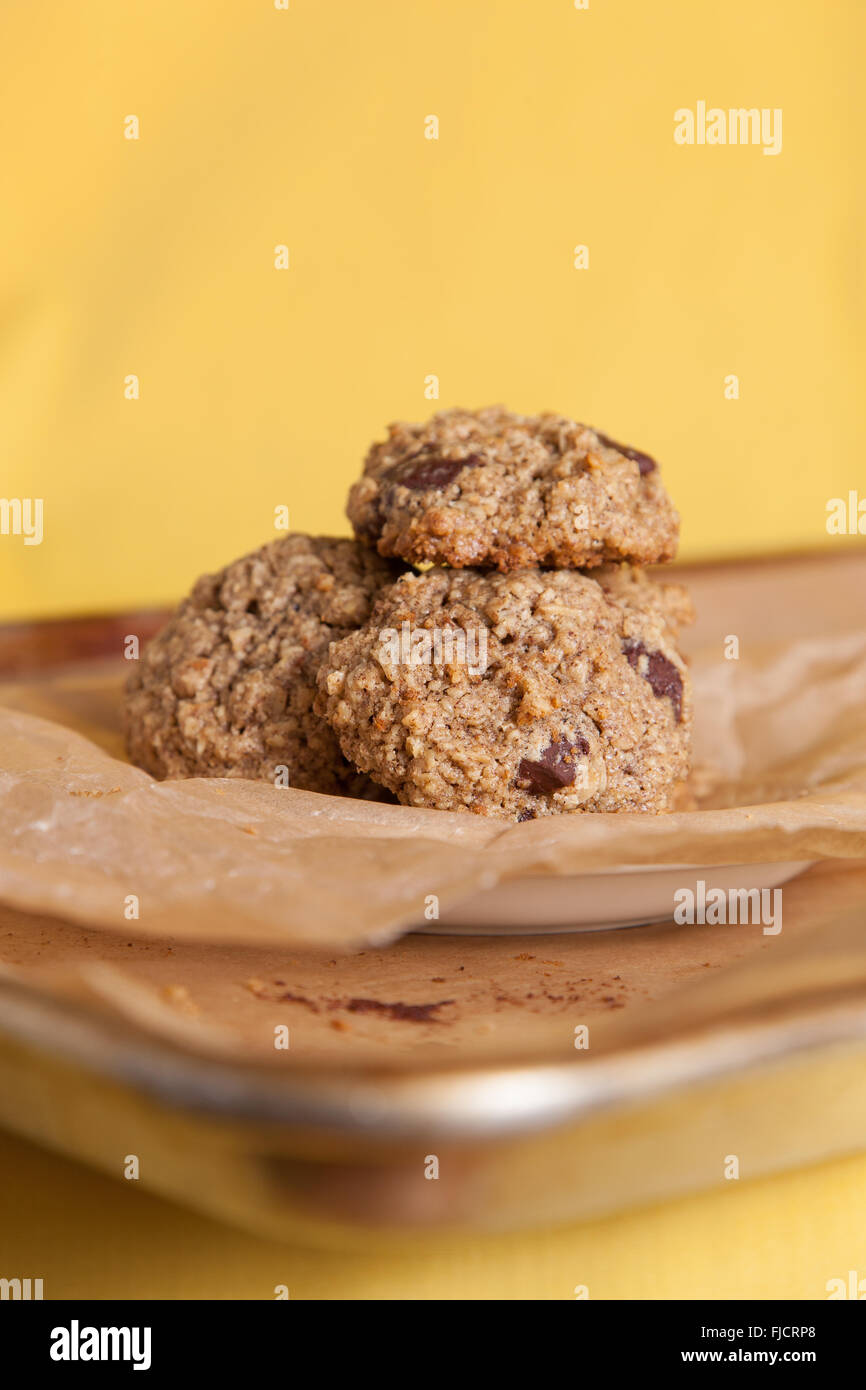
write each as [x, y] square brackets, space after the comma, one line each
[226, 688]
[525, 694]
[488, 488]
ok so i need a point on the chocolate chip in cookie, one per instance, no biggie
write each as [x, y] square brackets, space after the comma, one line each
[557, 718]
[426, 472]
[492, 489]
[554, 769]
[663, 676]
[645, 463]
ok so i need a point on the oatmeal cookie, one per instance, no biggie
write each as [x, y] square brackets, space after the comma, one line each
[491, 489]
[525, 694]
[226, 688]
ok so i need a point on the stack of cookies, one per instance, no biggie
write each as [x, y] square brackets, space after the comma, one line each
[526, 666]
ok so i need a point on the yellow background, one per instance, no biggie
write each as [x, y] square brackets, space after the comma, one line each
[90, 1236]
[410, 257]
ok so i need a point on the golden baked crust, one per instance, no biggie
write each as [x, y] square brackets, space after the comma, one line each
[488, 488]
[226, 688]
[524, 694]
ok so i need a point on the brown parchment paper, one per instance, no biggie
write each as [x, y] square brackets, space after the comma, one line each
[780, 775]
[428, 1001]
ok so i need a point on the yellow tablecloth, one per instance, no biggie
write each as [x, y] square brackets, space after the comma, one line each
[89, 1236]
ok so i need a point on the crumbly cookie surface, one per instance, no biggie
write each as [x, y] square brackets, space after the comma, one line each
[226, 688]
[524, 694]
[488, 488]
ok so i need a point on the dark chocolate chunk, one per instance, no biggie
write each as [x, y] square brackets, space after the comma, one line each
[554, 769]
[663, 676]
[643, 461]
[429, 471]
[634, 650]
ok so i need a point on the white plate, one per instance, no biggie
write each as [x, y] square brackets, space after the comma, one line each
[631, 896]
